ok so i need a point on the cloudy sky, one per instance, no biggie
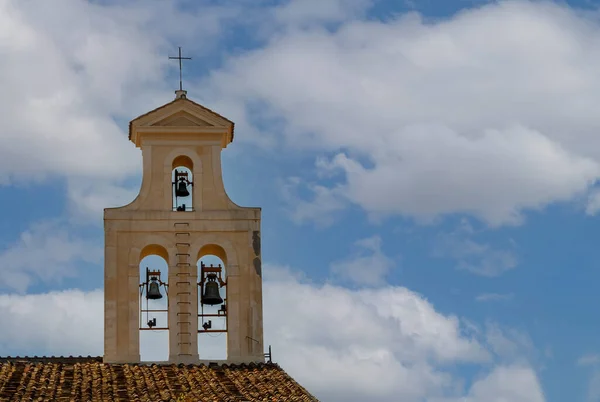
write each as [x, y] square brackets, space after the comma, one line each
[427, 171]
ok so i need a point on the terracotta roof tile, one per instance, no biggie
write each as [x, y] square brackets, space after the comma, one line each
[88, 379]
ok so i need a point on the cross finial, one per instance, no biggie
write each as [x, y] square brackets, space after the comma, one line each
[180, 66]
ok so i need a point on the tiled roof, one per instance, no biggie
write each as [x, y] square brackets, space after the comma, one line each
[88, 379]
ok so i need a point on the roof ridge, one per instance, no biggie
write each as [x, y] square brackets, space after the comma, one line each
[51, 359]
[100, 359]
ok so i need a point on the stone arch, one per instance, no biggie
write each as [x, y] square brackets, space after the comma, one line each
[152, 244]
[190, 161]
[209, 244]
[184, 155]
[154, 249]
[154, 344]
[184, 161]
[213, 346]
[212, 249]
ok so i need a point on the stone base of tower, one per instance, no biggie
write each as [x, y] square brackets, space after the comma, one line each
[132, 359]
[240, 360]
[184, 359]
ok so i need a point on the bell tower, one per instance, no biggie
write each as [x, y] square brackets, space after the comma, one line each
[181, 214]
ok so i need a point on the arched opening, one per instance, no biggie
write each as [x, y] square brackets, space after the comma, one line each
[183, 161]
[154, 304]
[182, 181]
[212, 303]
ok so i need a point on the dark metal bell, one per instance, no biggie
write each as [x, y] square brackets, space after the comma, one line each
[211, 294]
[182, 190]
[153, 290]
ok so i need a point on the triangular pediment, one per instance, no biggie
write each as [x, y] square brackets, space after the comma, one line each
[182, 119]
[181, 115]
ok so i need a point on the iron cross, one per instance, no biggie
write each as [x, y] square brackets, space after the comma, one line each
[180, 67]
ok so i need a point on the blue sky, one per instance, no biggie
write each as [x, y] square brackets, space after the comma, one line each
[426, 169]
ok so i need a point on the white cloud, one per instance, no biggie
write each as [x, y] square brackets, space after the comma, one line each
[45, 252]
[484, 297]
[366, 266]
[65, 87]
[476, 257]
[72, 70]
[68, 322]
[593, 202]
[487, 260]
[377, 345]
[445, 133]
[322, 209]
[343, 345]
[593, 391]
[436, 118]
[505, 383]
[89, 199]
[509, 344]
[63, 323]
[591, 360]
[431, 112]
[297, 13]
[588, 360]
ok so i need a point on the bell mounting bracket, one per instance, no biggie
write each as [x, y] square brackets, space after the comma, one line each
[205, 271]
[153, 275]
[182, 176]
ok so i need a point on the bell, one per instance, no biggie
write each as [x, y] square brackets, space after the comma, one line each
[182, 190]
[153, 290]
[211, 294]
